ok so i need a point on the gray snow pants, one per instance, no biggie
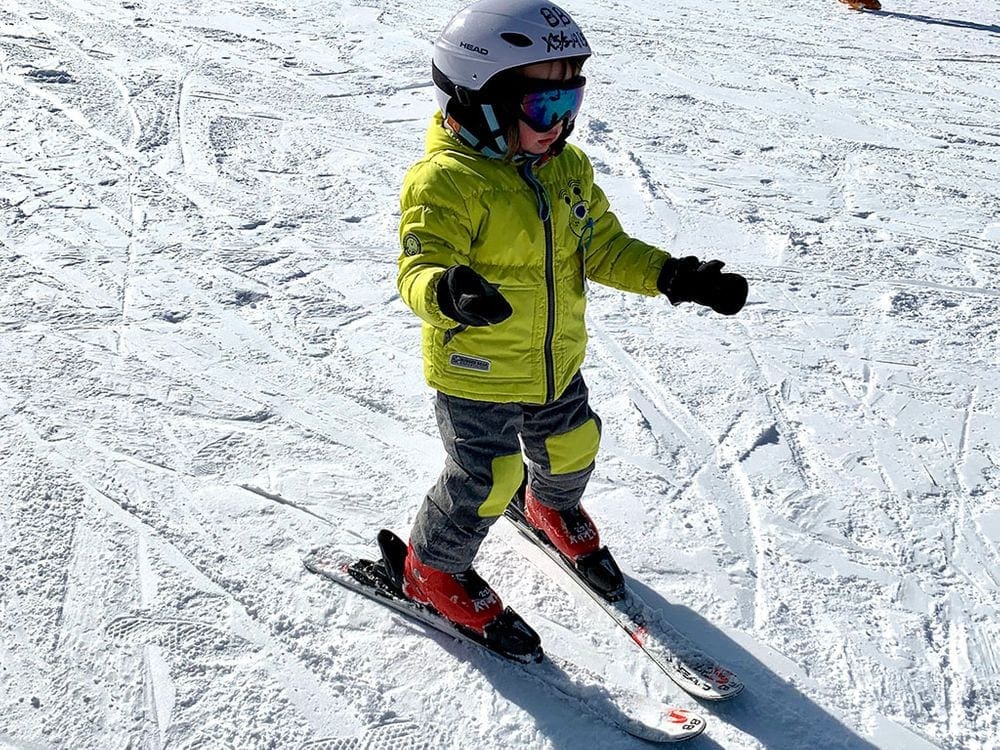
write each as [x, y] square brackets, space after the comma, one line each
[485, 466]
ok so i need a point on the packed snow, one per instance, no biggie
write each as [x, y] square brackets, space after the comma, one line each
[206, 372]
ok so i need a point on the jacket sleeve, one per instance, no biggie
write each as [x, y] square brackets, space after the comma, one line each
[435, 232]
[616, 259]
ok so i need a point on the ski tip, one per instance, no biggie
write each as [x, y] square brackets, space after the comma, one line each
[726, 682]
[666, 725]
[722, 685]
[683, 724]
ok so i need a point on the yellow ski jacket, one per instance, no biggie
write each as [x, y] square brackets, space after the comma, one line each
[538, 231]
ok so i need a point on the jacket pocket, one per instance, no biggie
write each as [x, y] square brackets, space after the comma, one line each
[508, 352]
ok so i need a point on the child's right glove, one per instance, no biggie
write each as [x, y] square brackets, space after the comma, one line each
[690, 280]
[466, 297]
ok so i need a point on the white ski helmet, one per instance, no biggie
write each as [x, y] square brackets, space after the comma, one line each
[486, 39]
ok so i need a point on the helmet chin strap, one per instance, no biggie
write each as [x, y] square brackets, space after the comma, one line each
[496, 128]
[493, 145]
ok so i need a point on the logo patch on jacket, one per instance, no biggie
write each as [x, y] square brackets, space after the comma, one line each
[411, 245]
[466, 362]
[579, 210]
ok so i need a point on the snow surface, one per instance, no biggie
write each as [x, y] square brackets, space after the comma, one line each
[206, 372]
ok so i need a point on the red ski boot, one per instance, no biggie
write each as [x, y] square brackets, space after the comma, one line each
[572, 532]
[463, 598]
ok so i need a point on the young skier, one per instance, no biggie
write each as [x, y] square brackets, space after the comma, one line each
[863, 4]
[501, 227]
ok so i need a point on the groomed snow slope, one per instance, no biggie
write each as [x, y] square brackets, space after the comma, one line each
[205, 372]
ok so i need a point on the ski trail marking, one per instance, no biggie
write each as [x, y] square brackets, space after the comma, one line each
[397, 735]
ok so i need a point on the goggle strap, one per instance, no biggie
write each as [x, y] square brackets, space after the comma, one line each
[535, 86]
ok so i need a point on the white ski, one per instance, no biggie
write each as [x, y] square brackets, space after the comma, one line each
[697, 673]
[634, 714]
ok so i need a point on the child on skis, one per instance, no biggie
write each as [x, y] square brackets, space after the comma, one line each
[501, 227]
[863, 4]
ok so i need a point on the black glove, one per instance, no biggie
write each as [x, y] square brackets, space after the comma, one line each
[689, 280]
[465, 296]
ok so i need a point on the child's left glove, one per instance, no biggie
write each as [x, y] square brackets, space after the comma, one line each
[466, 297]
[690, 280]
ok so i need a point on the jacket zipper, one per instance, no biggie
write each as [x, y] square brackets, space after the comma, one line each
[545, 214]
[550, 329]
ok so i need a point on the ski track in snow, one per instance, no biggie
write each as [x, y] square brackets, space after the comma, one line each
[206, 372]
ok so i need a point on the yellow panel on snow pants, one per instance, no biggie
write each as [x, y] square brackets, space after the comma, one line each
[574, 450]
[508, 471]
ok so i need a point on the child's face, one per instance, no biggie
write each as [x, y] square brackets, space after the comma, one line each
[532, 141]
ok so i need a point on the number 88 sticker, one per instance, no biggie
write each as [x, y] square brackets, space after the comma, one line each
[684, 718]
[555, 17]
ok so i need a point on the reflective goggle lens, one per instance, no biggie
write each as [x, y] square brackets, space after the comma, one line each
[542, 110]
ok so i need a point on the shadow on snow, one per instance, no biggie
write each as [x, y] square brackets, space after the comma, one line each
[955, 23]
[770, 709]
[557, 717]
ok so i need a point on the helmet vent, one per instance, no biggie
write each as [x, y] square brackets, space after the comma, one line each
[516, 38]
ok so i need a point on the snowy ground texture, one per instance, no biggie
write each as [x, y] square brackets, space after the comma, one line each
[205, 372]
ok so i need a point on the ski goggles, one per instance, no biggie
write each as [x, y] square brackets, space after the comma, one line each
[544, 104]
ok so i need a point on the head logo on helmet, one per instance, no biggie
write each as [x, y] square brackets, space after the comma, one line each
[474, 48]
[485, 40]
